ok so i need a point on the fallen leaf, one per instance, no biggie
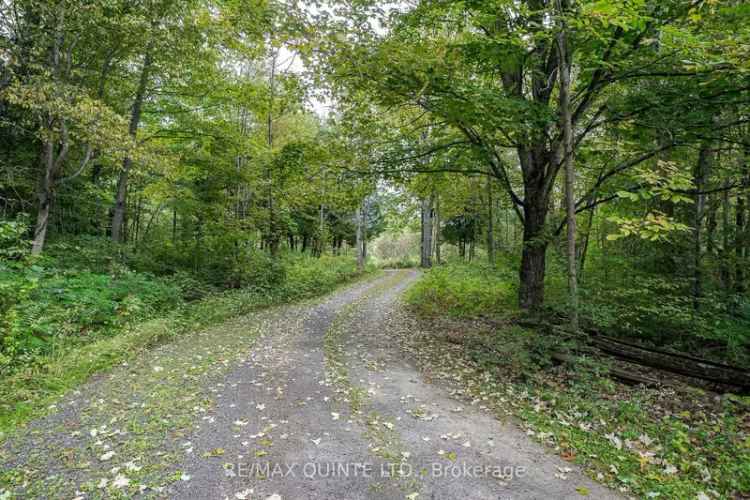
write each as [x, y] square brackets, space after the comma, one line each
[120, 481]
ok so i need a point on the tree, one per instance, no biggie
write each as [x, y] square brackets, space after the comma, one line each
[48, 43]
[483, 74]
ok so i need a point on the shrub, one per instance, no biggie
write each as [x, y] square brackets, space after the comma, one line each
[463, 290]
[96, 340]
[45, 306]
[13, 242]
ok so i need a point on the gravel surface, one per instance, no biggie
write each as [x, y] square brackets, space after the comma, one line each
[314, 400]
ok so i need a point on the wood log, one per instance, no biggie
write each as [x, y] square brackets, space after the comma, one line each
[629, 378]
[675, 363]
[679, 363]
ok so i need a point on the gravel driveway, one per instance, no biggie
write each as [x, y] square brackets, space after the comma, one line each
[313, 400]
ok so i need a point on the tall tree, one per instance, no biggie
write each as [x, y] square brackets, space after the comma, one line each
[566, 149]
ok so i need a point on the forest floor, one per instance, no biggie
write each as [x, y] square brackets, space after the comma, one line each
[313, 400]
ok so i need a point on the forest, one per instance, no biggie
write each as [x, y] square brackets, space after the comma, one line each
[571, 178]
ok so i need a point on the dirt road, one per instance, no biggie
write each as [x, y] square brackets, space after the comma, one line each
[313, 400]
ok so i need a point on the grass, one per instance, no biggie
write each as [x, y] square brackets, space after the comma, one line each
[673, 441]
[32, 390]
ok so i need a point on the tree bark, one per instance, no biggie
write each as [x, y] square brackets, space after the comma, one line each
[533, 254]
[273, 238]
[42, 221]
[585, 249]
[360, 240]
[45, 197]
[712, 207]
[318, 243]
[490, 224]
[51, 160]
[724, 272]
[118, 216]
[699, 179]
[364, 230]
[438, 257]
[741, 230]
[567, 158]
[426, 247]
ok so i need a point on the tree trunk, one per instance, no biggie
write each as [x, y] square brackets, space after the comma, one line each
[507, 243]
[567, 151]
[742, 236]
[364, 231]
[533, 254]
[426, 247]
[45, 198]
[42, 221]
[724, 272]
[360, 241]
[585, 249]
[531, 292]
[699, 179]
[118, 217]
[490, 224]
[137, 221]
[319, 243]
[438, 257]
[741, 230]
[273, 239]
[711, 225]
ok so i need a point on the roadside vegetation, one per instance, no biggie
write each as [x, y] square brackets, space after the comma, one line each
[77, 312]
[673, 440]
[633, 304]
[160, 171]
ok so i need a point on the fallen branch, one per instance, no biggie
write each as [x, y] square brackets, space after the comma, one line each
[672, 362]
[629, 378]
[680, 363]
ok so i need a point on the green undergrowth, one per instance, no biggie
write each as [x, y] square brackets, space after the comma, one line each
[28, 390]
[402, 263]
[464, 290]
[622, 301]
[673, 441]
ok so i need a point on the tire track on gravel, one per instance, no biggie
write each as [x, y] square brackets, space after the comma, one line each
[449, 448]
